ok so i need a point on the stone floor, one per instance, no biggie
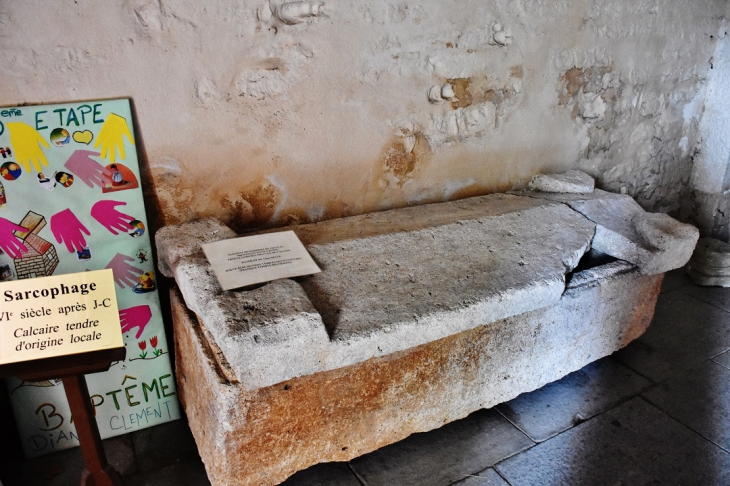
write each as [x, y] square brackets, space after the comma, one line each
[657, 412]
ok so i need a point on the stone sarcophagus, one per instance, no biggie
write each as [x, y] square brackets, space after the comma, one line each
[420, 316]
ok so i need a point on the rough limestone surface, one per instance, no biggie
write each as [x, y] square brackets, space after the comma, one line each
[655, 242]
[494, 267]
[268, 334]
[572, 181]
[262, 436]
[173, 243]
[391, 281]
[710, 263]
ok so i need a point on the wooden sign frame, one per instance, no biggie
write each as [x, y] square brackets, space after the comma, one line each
[71, 369]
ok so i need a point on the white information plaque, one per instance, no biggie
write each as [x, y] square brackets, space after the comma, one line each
[249, 260]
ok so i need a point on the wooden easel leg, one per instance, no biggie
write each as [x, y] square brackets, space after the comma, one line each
[98, 471]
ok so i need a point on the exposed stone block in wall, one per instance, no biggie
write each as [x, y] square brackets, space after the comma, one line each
[573, 181]
[461, 124]
[298, 12]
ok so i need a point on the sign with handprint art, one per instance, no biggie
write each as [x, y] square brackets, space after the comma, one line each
[71, 202]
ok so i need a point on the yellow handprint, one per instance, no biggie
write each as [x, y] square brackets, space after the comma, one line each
[110, 137]
[26, 142]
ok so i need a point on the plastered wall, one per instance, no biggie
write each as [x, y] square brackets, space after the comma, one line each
[268, 113]
[709, 204]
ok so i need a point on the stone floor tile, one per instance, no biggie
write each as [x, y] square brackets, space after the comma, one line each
[445, 455]
[685, 331]
[675, 279]
[188, 473]
[488, 477]
[327, 474]
[573, 399]
[700, 399]
[635, 443]
[723, 359]
[120, 454]
[58, 469]
[717, 296]
[65, 467]
[164, 444]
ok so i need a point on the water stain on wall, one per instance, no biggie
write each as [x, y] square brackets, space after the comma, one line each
[263, 200]
[472, 190]
[175, 198]
[479, 89]
[336, 208]
[572, 83]
[461, 91]
[403, 154]
[293, 216]
[483, 89]
[255, 205]
[576, 81]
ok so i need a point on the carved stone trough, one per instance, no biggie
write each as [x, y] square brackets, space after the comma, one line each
[420, 316]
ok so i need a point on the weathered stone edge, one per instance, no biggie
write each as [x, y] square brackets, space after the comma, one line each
[263, 436]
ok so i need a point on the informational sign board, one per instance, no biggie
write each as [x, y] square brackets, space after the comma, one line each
[58, 316]
[70, 203]
[238, 262]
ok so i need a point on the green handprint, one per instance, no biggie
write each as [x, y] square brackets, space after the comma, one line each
[26, 143]
[110, 137]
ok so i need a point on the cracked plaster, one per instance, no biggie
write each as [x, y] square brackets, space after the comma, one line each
[242, 93]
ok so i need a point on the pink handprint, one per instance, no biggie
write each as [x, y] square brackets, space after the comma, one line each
[67, 228]
[133, 317]
[8, 241]
[124, 273]
[110, 218]
[88, 170]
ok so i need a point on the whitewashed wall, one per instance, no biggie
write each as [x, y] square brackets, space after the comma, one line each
[271, 113]
[710, 180]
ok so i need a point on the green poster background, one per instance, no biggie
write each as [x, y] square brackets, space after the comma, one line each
[70, 176]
